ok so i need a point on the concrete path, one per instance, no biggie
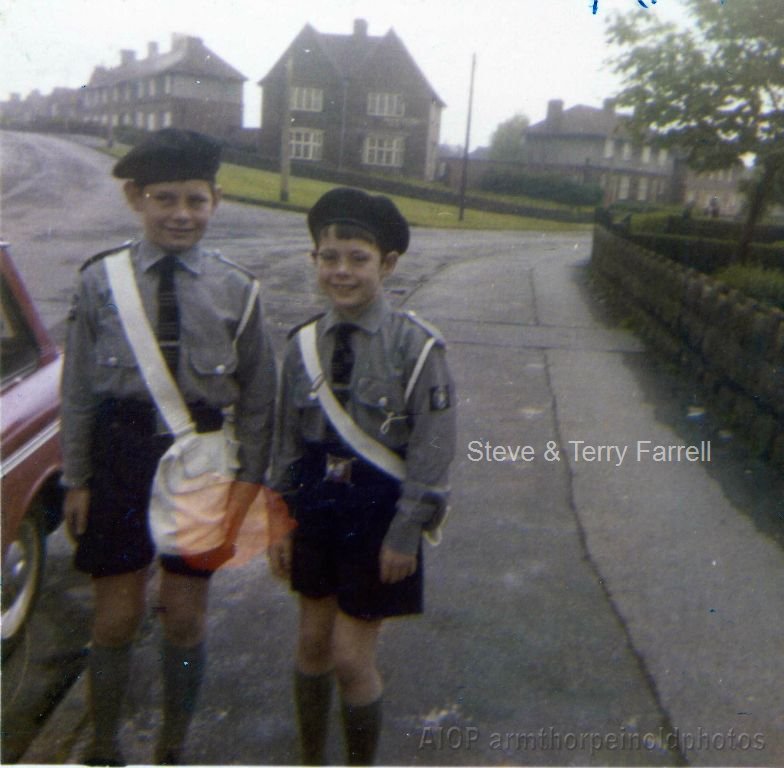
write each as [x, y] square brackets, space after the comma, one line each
[614, 611]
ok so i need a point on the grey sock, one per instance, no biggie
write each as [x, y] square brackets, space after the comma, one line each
[108, 669]
[362, 728]
[313, 697]
[183, 671]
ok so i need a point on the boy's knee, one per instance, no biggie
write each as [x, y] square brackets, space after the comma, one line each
[116, 628]
[351, 667]
[182, 626]
[314, 651]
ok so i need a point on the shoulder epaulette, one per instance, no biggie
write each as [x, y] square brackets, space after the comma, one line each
[104, 254]
[430, 329]
[218, 255]
[296, 328]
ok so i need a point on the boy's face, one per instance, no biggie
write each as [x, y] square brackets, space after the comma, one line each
[174, 214]
[351, 272]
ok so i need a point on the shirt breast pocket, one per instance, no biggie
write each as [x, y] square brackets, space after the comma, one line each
[381, 410]
[214, 360]
[112, 350]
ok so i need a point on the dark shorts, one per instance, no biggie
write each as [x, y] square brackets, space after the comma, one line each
[125, 455]
[338, 540]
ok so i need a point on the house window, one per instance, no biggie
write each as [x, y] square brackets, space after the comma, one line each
[645, 157]
[386, 104]
[151, 122]
[139, 122]
[305, 144]
[307, 99]
[152, 87]
[383, 150]
[166, 119]
[623, 188]
[642, 189]
[167, 84]
[609, 148]
[662, 156]
[627, 151]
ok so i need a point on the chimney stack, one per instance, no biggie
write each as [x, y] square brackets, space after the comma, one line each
[554, 114]
[360, 28]
[127, 57]
[152, 50]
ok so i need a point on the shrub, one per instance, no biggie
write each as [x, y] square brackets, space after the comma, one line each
[654, 223]
[553, 188]
[765, 285]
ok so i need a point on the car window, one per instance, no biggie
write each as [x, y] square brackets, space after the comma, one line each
[18, 350]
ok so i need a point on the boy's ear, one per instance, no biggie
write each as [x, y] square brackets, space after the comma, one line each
[217, 195]
[388, 263]
[134, 194]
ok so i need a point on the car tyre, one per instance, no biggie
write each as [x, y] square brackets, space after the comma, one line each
[22, 574]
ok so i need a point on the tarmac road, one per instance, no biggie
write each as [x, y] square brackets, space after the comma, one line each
[583, 609]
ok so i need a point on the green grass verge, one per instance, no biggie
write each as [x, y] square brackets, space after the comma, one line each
[263, 188]
[765, 285]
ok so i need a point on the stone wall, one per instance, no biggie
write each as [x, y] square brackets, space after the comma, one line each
[732, 344]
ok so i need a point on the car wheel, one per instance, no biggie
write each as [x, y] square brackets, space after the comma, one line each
[23, 566]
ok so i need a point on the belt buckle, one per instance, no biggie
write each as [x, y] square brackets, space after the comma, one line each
[338, 469]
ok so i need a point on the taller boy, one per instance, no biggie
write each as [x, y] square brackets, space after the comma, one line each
[113, 438]
[356, 555]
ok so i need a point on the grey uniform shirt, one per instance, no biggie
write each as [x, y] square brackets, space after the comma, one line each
[386, 348]
[214, 368]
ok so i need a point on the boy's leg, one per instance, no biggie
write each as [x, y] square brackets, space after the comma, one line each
[119, 607]
[183, 614]
[355, 644]
[313, 677]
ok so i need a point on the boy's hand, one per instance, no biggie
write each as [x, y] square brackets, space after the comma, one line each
[279, 556]
[76, 505]
[241, 496]
[396, 566]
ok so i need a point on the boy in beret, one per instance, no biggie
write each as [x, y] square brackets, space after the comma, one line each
[355, 557]
[113, 437]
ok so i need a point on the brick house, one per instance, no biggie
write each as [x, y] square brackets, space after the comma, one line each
[186, 87]
[593, 146]
[356, 102]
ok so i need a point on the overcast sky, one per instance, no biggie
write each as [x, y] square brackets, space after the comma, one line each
[528, 51]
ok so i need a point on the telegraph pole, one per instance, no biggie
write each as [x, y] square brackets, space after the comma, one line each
[285, 151]
[464, 177]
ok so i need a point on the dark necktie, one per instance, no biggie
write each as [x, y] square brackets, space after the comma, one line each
[168, 313]
[342, 361]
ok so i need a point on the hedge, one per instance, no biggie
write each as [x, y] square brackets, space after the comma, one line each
[553, 188]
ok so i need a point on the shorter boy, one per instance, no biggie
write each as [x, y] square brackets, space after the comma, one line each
[356, 555]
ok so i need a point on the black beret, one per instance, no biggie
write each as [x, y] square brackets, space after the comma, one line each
[171, 154]
[375, 213]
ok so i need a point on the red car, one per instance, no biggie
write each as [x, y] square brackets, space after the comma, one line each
[30, 457]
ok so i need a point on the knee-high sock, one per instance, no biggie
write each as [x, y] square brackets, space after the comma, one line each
[183, 671]
[361, 727]
[109, 668]
[313, 697]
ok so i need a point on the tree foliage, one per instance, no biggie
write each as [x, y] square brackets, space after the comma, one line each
[507, 141]
[715, 90]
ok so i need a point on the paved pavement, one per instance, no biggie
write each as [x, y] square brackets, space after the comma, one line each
[582, 610]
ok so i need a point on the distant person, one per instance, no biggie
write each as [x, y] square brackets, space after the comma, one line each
[113, 437]
[356, 555]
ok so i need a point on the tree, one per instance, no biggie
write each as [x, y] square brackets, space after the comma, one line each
[715, 91]
[507, 141]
